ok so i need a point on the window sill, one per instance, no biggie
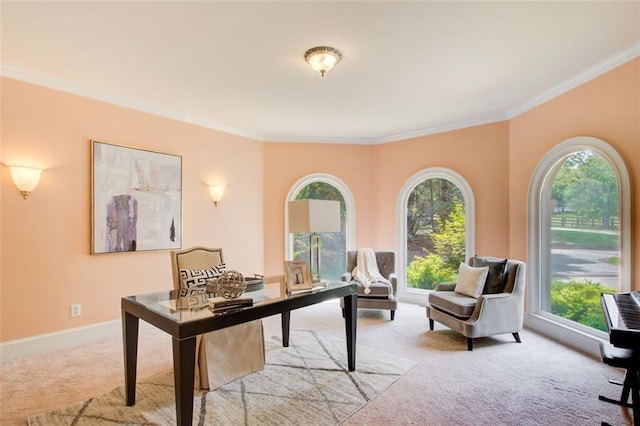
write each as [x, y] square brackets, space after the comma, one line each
[566, 335]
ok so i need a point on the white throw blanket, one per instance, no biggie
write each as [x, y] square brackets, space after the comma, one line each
[367, 272]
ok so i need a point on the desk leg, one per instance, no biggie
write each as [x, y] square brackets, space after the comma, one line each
[350, 324]
[285, 318]
[184, 370]
[130, 345]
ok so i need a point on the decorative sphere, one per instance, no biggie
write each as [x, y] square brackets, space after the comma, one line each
[230, 285]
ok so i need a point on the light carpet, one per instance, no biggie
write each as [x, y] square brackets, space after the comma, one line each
[307, 383]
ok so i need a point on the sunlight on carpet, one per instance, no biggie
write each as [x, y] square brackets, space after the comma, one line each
[306, 383]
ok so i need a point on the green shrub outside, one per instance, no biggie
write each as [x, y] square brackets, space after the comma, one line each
[429, 271]
[449, 244]
[580, 302]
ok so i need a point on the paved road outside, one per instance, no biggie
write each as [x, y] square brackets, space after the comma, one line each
[581, 265]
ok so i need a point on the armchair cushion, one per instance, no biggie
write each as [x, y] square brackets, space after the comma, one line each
[377, 289]
[471, 280]
[191, 278]
[456, 304]
[495, 282]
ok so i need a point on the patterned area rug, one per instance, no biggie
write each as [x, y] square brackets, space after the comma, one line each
[306, 383]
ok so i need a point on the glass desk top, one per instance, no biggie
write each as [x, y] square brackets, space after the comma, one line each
[187, 305]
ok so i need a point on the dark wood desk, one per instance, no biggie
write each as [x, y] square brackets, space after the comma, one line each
[184, 318]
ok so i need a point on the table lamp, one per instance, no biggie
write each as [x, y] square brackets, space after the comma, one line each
[313, 217]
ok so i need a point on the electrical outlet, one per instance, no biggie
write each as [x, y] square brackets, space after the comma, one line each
[75, 310]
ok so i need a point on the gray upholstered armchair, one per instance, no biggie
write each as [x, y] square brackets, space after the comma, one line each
[381, 295]
[499, 310]
[226, 354]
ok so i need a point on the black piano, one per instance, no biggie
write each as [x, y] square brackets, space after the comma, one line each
[622, 315]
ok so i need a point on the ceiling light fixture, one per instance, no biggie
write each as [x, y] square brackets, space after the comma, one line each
[322, 58]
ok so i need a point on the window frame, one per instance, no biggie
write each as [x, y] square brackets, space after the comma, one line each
[413, 294]
[538, 239]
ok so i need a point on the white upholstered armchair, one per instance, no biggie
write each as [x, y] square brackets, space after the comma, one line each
[498, 309]
[226, 354]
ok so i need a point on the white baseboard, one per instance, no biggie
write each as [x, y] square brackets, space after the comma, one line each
[59, 340]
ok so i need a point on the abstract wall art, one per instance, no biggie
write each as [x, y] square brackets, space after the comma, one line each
[136, 199]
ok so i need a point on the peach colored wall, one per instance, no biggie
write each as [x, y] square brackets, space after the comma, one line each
[375, 175]
[606, 107]
[46, 264]
[286, 163]
[1, 192]
[479, 154]
[45, 240]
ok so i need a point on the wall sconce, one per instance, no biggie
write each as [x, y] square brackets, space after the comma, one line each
[216, 192]
[25, 178]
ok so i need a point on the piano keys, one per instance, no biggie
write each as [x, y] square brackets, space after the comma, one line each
[622, 315]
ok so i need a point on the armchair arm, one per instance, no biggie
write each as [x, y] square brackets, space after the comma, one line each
[393, 278]
[346, 277]
[497, 313]
[446, 287]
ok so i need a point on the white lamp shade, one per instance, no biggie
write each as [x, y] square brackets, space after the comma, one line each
[216, 192]
[25, 178]
[322, 62]
[314, 216]
[322, 58]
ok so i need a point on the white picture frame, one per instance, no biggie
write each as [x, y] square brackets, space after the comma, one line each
[297, 276]
[136, 199]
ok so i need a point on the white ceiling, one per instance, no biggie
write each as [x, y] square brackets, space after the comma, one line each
[408, 68]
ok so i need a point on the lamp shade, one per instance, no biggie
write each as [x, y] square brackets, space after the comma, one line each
[216, 192]
[25, 178]
[314, 216]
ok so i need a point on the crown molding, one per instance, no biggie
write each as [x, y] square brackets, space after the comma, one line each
[63, 86]
[597, 70]
[457, 125]
[318, 139]
[626, 55]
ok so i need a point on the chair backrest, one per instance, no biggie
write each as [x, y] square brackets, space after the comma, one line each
[514, 274]
[386, 261]
[193, 258]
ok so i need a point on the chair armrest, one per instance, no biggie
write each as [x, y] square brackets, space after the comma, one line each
[346, 277]
[496, 296]
[393, 278]
[500, 311]
[446, 287]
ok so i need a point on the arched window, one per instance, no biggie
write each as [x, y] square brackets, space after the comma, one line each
[333, 245]
[436, 217]
[579, 241]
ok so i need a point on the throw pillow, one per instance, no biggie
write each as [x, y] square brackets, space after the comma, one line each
[191, 278]
[471, 280]
[495, 279]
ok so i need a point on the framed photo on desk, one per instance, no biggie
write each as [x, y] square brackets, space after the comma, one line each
[297, 275]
